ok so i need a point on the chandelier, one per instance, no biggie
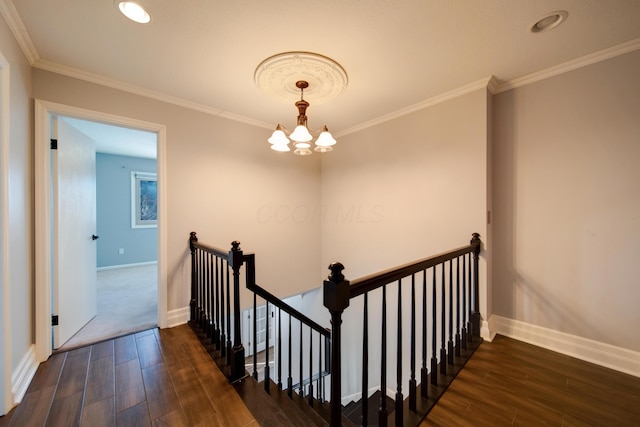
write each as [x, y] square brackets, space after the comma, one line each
[318, 77]
[301, 136]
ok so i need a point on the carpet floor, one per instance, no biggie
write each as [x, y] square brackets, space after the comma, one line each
[127, 303]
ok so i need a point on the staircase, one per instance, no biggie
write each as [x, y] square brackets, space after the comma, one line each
[441, 335]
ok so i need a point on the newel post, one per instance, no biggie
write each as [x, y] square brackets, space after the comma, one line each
[236, 259]
[475, 312]
[192, 240]
[336, 299]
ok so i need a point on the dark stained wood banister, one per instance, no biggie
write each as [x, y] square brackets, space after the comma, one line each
[374, 281]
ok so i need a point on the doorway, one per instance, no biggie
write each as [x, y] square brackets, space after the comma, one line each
[44, 110]
[125, 226]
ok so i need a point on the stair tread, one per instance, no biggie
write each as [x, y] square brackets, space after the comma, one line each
[297, 409]
[265, 409]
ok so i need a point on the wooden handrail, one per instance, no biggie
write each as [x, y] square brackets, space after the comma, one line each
[373, 281]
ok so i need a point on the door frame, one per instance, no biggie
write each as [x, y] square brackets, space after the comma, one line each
[43, 211]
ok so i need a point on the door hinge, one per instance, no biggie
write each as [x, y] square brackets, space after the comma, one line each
[54, 320]
[54, 144]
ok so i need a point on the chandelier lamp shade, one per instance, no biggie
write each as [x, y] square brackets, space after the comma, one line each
[301, 135]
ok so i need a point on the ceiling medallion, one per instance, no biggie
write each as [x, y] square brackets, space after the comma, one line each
[278, 74]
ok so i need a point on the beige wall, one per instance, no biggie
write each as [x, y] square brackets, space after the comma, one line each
[408, 188]
[222, 182]
[17, 180]
[567, 202]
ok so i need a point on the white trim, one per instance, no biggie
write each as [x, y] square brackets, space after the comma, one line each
[22, 376]
[487, 82]
[76, 73]
[574, 64]
[119, 266]
[6, 399]
[607, 355]
[43, 110]
[17, 27]
[177, 317]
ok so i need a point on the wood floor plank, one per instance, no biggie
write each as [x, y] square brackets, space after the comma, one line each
[148, 350]
[125, 349]
[49, 374]
[74, 374]
[129, 385]
[135, 416]
[161, 396]
[103, 349]
[541, 386]
[65, 411]
[192, 397]
[100, 380]
[172, 419]
[101, 413]
[34, 408]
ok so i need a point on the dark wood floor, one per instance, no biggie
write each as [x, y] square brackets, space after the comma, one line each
[508, 382]
[166, 378]
[156, 377]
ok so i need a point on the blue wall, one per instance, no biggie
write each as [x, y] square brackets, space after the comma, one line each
[113, 211]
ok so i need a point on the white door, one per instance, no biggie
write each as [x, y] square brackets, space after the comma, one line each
[74, 231]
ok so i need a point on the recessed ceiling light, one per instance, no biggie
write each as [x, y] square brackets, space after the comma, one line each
[549, 21]
[134, 11]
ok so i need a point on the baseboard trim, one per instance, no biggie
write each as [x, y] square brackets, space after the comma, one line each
[178, 316]
[609, 356]
[135, 264]
[23, 374]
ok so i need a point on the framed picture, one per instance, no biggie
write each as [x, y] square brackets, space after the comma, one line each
[144, 200]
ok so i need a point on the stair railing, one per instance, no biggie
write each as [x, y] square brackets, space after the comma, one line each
[215, 312]
[312, 366]
[450, 281]
[212, 299]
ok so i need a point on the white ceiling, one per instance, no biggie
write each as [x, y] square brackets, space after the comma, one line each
[397, 54]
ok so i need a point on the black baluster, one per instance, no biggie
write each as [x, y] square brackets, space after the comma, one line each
[450, 343]
[469, 325]
[310, 395]
[221, 302]
[412, 380]
[290, 378]
[319, 391]
[434, 345]
[365, 362]
[464, 301]
[229, 296]
[423, 371]
[457, 344]
[216, 331]
[279, 349]
[255, 336]
[399, 397]
[301, 372]
[443, 336]
[206, 294]
[267, 378]
[200, 288]
[382, 411]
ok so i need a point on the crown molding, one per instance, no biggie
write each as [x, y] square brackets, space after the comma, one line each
[12, 17]
[76, 73]
[486, 83]
[574, 64]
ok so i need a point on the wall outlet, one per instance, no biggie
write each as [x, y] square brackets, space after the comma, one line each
[121, 251]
